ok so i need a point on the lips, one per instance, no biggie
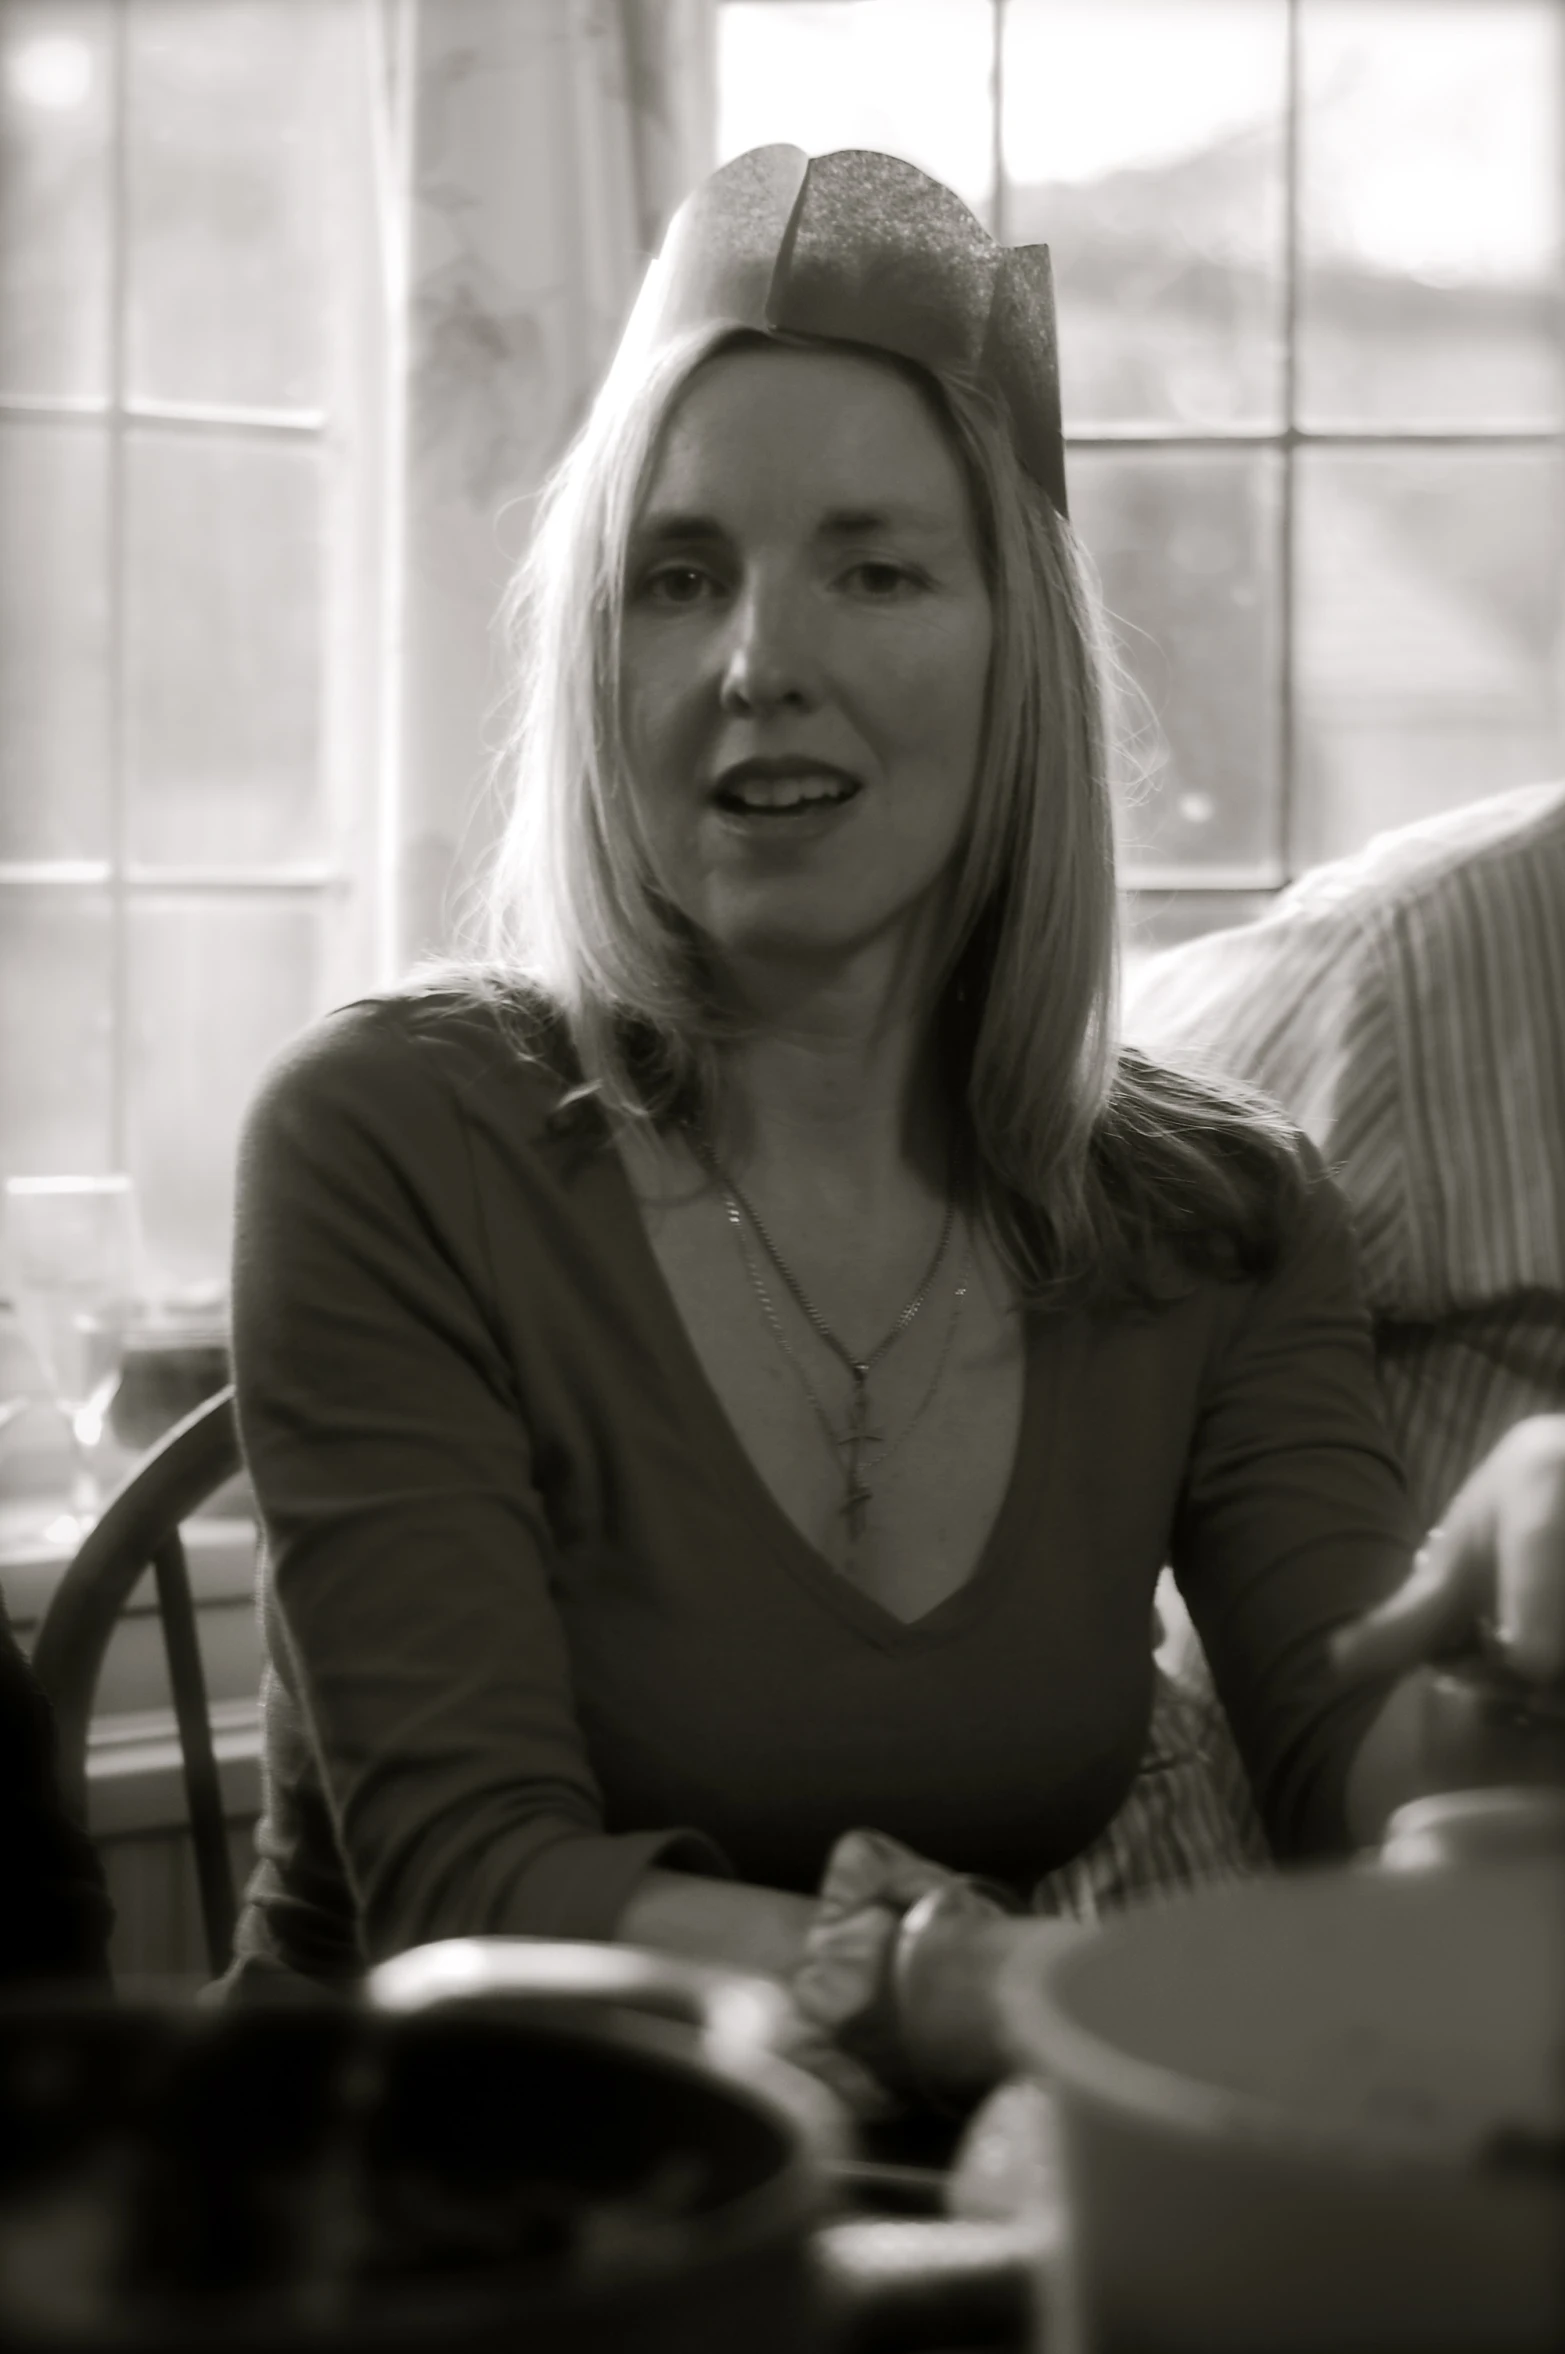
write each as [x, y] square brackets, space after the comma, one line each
[783, 788]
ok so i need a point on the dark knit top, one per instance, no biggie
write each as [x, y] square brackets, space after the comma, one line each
[535, 1621]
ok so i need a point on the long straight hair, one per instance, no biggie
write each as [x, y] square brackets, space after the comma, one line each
[1097, 1172]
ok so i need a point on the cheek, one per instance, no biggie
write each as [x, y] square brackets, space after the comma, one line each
[935, 695]
[658, 698]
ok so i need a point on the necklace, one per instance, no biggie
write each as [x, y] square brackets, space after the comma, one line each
[860, 1495]
[851, 1444]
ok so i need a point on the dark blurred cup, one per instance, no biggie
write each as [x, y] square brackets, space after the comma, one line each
[316, 2179]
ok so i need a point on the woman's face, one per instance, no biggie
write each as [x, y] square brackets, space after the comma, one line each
[805, 654]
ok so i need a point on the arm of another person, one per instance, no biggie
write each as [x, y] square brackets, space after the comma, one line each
[1494, 1567]
[393, 1467]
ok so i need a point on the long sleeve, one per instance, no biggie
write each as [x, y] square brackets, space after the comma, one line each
[407, 1542]
[1294, 1516]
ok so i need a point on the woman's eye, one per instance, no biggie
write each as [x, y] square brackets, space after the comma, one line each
[676, 584]
[881, 581]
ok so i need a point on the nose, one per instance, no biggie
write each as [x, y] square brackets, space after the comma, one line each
[770, 663]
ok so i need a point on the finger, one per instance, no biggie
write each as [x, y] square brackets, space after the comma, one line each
[1529, 1610]
[868, 1867]
[1432, 1609]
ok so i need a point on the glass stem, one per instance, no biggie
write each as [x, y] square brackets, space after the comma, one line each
[84, 1478]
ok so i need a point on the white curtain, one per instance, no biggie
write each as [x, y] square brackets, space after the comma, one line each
[540, 147]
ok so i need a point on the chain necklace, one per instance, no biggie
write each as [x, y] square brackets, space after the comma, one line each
[851, 1444]
[860, 1496]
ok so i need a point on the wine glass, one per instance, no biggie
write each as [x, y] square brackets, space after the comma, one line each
[72, 1252]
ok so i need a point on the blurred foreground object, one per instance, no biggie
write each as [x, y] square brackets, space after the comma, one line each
[313, 2174]
[1321, 2110]
[55, 1915]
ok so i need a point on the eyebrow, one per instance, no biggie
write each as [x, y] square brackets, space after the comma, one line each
[859, 522]
[841, 523]
[685, 530]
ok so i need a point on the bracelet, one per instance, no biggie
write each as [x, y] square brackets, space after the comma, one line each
[964, 1895]
[910, 1933]
[879, 1902]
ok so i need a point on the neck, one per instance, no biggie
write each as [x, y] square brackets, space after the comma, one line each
[834, 1092]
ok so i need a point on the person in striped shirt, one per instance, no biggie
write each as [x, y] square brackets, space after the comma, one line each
[1407, 1007]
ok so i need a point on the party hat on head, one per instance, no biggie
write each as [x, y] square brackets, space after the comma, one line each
[862, 248]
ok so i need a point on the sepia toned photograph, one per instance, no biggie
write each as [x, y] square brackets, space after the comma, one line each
[782, 1126]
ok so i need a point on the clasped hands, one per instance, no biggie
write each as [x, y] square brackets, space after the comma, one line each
[894, 1998]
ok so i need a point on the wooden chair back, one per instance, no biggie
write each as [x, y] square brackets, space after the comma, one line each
[139, 1529]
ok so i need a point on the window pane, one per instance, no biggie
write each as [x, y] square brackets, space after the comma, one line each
[216, 986]
[55, 1032]
[55, 115]
[1432, 152]
[54, 643]
[911, 77]
[226, 195]
[1185, 544]
[1429, 620]
[1143, 146]
[223, 649]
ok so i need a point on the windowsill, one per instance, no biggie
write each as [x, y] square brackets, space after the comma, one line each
[135, 1781]
[219, 1552]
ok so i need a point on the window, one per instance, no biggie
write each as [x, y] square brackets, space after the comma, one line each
[1308, 255]
[190, 393]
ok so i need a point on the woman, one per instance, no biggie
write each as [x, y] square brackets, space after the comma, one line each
[731, 1369]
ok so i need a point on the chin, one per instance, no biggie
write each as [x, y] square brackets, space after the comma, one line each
[816, 943]
[823, 919]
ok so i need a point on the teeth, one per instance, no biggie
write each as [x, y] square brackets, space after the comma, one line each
[786, 792]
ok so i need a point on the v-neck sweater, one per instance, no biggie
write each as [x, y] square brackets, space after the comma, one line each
[535, 1622]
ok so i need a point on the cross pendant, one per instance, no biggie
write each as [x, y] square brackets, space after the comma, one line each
[856, 1502]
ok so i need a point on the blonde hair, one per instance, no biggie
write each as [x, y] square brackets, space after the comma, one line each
[1092, 1167]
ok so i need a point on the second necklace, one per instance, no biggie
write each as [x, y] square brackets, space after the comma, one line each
[857, 1436]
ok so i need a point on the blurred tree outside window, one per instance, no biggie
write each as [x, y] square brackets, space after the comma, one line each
[1309, 264]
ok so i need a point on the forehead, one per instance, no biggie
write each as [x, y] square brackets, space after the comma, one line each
[812, 429]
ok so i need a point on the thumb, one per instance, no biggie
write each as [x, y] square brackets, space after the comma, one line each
[1432, 1610]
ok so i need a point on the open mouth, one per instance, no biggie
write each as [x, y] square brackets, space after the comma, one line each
[796, 793]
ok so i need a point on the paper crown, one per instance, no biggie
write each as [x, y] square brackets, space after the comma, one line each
[863, 248]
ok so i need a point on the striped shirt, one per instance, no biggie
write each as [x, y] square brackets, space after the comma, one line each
[1407, 1007]
[1188, 1818]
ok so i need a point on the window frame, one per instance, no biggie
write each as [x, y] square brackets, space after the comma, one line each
[352, 431]
[1238, 889]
